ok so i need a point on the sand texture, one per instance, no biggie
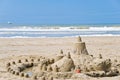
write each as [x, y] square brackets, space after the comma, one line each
[13, 49]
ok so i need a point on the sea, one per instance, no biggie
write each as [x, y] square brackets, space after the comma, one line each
[58, 30]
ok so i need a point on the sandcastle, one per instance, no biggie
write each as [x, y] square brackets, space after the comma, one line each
[64, 65]
[80, 47]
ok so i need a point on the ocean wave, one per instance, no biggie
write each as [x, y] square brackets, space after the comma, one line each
[60, 37]
[57, 31]
[56, 28]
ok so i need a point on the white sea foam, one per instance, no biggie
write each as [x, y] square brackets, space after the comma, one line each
[75, 28]
[56, 31]
[61, 37]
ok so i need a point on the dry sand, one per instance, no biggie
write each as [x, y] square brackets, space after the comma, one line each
[10, 48]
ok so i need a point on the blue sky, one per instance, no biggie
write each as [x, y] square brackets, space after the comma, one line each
[60, 11]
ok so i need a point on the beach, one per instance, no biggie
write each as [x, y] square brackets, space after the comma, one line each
[59, 40]
[11, 48]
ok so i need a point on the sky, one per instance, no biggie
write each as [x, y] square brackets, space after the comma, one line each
[60, 11]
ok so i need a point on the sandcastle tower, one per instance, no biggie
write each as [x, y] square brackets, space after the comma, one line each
[80, 47]
[80, 55]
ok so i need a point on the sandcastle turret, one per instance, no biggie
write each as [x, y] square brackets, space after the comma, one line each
[8, 64]
[79, 39]
[52, 61]
[19, 61]
[56, 69]
[68, 55]
[17, 73]
[80, 47]
[26, 60]
[59, 56]
[61, 51]
[49, 68]
[100, 56]
[44, 67]
[26, 75]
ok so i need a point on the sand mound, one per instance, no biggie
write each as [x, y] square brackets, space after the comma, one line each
[65, 64]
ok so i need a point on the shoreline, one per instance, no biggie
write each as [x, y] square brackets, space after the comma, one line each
[59, 37]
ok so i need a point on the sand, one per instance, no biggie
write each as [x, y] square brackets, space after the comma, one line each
[11, 48]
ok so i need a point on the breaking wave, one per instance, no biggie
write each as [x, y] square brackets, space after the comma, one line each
[57, 31]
